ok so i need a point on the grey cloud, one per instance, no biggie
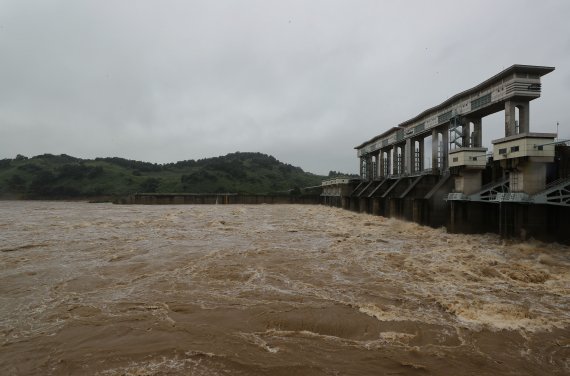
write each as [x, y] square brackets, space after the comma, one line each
[305, 81]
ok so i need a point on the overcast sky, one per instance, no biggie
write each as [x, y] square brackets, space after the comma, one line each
[304, 81]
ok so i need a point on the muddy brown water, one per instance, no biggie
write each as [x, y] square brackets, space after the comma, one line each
[99, 289]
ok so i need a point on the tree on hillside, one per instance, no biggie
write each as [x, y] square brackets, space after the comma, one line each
[41, 184]
[150, 185]
[16, 183]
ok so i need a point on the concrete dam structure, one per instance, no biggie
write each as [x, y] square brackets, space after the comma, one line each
[520, 188]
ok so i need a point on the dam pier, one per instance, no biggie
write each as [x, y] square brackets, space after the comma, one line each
[433, 169]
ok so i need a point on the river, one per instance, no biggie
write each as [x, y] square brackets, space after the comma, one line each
[102, 289]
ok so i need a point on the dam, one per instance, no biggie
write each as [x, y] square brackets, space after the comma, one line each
[520, 187]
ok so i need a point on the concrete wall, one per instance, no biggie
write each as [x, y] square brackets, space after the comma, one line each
[425, 204]
[511, 220]
[188, 199]
[525, 145]
[468, 182]
[531, 178]
[468, 157]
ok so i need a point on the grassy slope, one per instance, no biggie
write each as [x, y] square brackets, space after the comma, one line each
[51, 176]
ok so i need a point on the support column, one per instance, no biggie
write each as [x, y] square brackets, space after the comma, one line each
[369, 167]
[377, 168]
[407, 152]
[434, 146]
[477, 135]
[465, 136]
[445, 147]
[421, 155]
[510, 117]
[362, 167]
[388, 162]
[381, 172]
[395, 167]
[524, 112]
[412, 155]
[370, 164]
[510, 128]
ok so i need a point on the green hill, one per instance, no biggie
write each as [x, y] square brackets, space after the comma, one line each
[64, 176]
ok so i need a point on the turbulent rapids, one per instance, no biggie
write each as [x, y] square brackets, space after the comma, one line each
[98, 289]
